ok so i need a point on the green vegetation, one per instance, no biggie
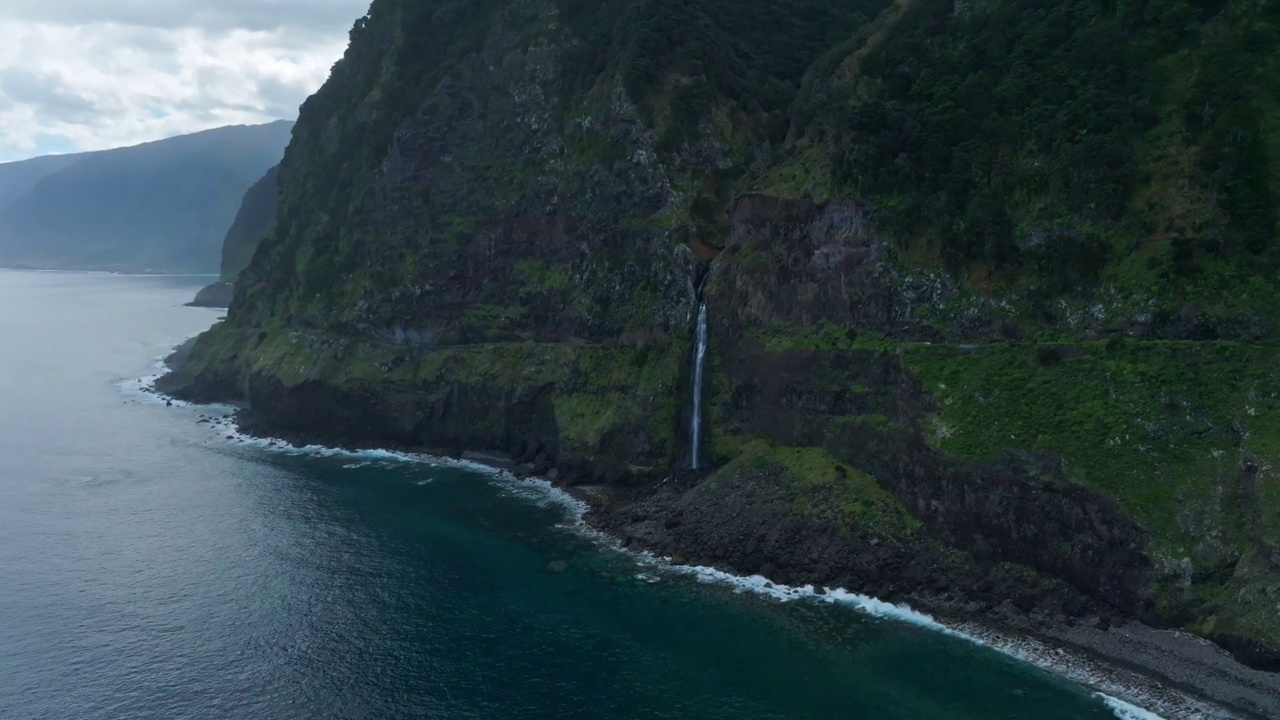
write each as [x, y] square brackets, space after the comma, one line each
[1157, 425]
[1183, 434]
[1061, 144]
[584, 419]
[539, 276]
[1072, 158]
[684, 58]
[819, 336]
[826, 490]
[601, 402]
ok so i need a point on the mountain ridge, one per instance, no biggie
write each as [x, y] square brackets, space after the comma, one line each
[157, 206]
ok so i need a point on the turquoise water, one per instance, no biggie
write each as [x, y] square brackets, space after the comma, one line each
[150, 568]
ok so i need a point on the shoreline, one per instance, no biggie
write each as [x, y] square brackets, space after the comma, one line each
[1139, 671]
[120, 273]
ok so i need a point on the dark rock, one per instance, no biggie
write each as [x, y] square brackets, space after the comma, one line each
[1251, 651]
[491, 459]
[217, 295]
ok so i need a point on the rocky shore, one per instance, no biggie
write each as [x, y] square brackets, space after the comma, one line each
[748, 538]
[745, 523]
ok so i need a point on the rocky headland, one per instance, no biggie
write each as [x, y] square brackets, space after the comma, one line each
[1005, 369]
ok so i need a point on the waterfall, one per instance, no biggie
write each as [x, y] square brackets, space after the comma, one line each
[699, 356]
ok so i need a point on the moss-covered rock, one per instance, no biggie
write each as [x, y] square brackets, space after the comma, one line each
[593, 410]
[824, 490]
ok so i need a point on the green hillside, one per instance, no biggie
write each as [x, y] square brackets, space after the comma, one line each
[1007, 268]
[163, 206]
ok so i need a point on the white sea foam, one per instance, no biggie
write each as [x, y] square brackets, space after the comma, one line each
[1125, 711]
[538, 489]
[361, 458]
[1108, 683]
[1143, 698]
[762, 586]
[144, 388]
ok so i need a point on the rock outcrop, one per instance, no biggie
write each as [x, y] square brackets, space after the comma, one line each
[217, 295]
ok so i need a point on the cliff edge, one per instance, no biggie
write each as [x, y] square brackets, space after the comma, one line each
[976, 335]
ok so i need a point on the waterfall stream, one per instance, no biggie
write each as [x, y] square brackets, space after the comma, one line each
[699, 357]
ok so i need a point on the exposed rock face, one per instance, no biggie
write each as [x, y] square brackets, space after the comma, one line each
[1020, 509]
[255, 220]
[794, 263]
[503, 250]
[549, 249]
[792, 268]
[217, 295]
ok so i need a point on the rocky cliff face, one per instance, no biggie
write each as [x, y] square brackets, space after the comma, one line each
[498, 241]
[217, 295]
[254, 221]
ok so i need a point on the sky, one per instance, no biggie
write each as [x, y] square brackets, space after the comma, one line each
[93, 74]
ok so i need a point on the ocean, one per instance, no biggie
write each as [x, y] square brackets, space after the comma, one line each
[155, 564]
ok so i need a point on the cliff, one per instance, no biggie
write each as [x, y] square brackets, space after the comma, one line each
[990, 288]
[255, 220]
[217, 295]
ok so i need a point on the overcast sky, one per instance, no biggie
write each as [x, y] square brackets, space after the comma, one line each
[93, 74]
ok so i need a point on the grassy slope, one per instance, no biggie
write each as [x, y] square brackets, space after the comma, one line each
[826, 490]
[1172, 430]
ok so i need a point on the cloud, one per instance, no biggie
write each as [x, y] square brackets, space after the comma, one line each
[93, 74]
[323, 15]
[44, 94]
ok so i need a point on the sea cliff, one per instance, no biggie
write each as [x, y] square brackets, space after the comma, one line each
[933, 372]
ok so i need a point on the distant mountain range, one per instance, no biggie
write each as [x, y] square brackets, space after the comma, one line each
[163, 206]
[254, 221]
